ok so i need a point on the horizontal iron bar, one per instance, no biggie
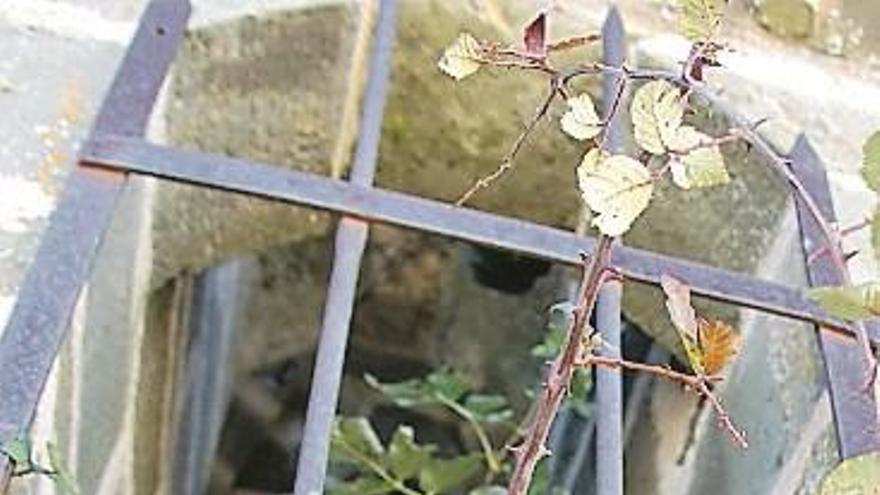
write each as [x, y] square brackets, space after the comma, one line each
[371, 204]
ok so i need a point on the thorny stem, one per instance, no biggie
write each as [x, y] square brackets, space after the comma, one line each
[697, 383]
[533, 447]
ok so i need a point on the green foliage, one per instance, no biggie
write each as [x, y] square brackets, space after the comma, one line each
[871, 161]
[558, 321]
[18, 450]
[850, 303]
[699, 20]
[448, 389]
[397, 468]
[857, 475]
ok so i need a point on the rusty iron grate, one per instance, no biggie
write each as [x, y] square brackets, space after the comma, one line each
[116, 148]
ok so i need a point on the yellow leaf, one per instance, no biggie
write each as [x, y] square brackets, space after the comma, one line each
[700, 19]
[581, 121]
[617, 188]
[657, 111]
[462, 58]
[700, 165]
[717, 344]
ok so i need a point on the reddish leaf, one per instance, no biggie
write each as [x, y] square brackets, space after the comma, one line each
[534, 36]
[718, 343]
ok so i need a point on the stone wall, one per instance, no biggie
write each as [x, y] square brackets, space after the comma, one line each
[276, 81]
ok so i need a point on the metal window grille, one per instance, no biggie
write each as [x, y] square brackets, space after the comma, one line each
[116, 149]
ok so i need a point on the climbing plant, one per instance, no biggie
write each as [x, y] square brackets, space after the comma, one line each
[617, 188]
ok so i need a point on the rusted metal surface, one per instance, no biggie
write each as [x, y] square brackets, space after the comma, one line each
[69, 245]
[272, 182]
[852, 402]
[351, 239]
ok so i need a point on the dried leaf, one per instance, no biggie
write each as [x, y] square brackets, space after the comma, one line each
[616, 188]
[718, 344]
[657, 111]
[850, 303]
[462, 58]
[534, 36]
[684, 318]
[871, 161]
[581, 120]
[700, 20]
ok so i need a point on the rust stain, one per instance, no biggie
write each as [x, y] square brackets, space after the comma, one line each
[57, 134]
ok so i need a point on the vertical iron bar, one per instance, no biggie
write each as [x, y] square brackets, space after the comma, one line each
[852, 403]
[609, 385]
[351, 239]
[63, 261]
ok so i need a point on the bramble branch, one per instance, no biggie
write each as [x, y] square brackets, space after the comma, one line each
[533, 447]
[508, 160]
[697, 383]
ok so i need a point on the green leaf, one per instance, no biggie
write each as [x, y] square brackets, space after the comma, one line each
[871, 161]
[657, 111]
[579, 392]
[617, 188]
[487, 408]
[364, 485]
[354, 440]
[850, 303]
[462, 58]
[700, 20]
[409, 393]
[441, 475]
[489, 490]
[405, 457]
[560, 315]
[581, 120]
[18, 450]
[854, 476]
[447, 384]
[62, 477]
